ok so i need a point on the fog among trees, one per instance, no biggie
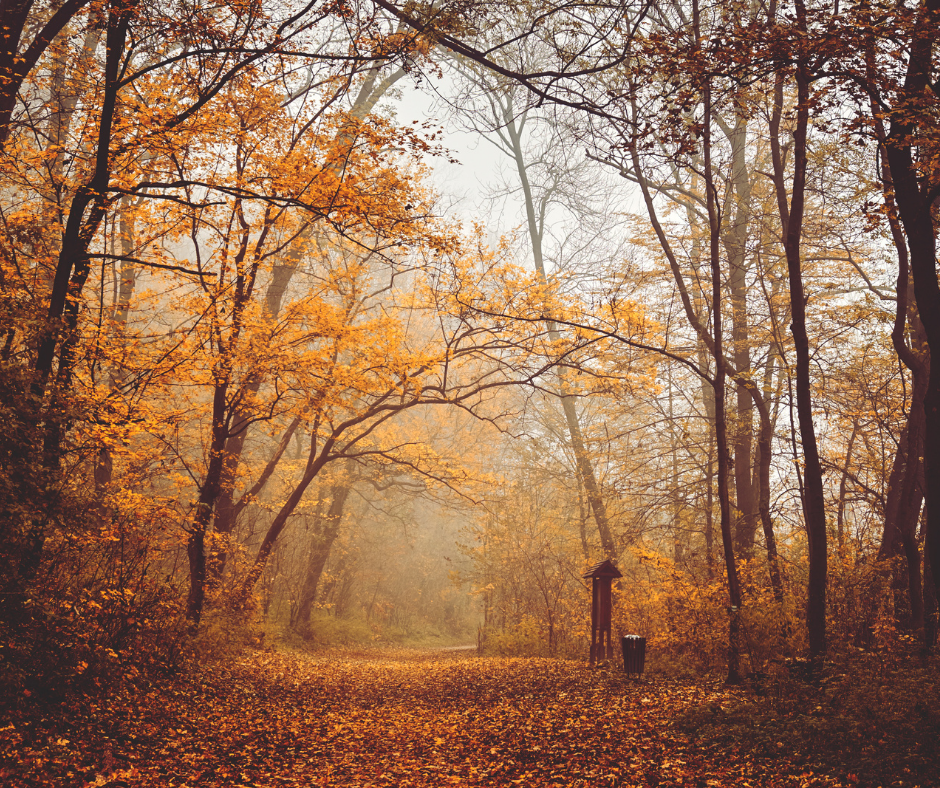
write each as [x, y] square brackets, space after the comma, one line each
[267, 383]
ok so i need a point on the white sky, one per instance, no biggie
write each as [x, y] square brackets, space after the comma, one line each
[463, 186]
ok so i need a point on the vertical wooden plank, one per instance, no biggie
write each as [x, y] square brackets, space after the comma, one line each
[595, 602]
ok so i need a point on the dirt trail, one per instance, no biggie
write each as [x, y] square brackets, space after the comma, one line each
[397, 718]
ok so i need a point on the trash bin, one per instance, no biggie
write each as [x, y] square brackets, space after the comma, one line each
[634, 653]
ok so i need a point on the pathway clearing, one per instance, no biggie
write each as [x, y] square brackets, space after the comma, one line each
[411, 719]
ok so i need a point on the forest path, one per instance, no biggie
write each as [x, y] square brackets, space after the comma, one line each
[405, 719]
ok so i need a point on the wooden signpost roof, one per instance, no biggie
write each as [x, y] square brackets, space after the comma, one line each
[603, 569]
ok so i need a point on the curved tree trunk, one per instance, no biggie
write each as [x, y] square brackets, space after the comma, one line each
[905, 482]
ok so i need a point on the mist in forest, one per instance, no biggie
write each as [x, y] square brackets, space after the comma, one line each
[368, 325]
[405, 393]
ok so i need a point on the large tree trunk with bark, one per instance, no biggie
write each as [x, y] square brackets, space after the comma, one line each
[721, 431]
[915, 195]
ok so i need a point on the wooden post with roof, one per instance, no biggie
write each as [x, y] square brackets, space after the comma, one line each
[601, 576]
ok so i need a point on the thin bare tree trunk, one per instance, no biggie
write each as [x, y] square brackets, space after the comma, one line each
[582, 458]
[736, 244]
[721, 438]
[791, 216]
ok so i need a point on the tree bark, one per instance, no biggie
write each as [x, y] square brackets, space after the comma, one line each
[325, 534]
[904, 500]
[88, 208]
[905, 488]
[582, 458]
[814, 511]
[86, 212]
[765, 437]
[735, 241]
[915, 195]
[843, 489]
[721, 434]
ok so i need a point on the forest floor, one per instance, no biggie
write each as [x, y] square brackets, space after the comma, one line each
[448, 718]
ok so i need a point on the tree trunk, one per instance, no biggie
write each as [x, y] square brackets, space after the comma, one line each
[721, 436]
[227, 509]
[914, 195]
[325, 532]
[710, 504]
[735, 241]
[86, 212]
[583, 460]
[582, 519]
[315, 462]
[814, 511]
[905, 488]
[678, 543]
[765, 437]
[843, 489]
[203, 508]
[903, 504]
[104, 466]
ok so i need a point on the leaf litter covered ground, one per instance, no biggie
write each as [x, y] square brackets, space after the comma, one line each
[411, 719]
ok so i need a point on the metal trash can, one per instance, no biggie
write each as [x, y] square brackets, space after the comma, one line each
[634, 653]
